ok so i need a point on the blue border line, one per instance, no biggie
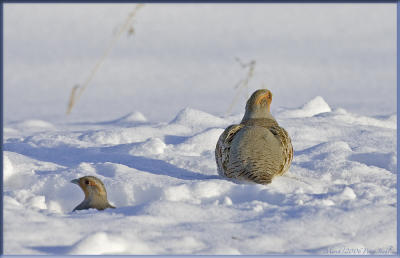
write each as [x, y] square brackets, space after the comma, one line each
[398, 97]
[202, 1]
[1, 132]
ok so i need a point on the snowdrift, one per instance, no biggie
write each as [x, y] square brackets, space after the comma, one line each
[170, 200]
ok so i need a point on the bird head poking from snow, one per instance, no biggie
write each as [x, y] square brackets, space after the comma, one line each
[95, 193]
[258, 105]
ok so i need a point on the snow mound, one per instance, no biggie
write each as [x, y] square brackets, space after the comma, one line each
[132, 117]
[38, 202]
[177, 193]
[196, 193]
[196, 118]
[151, 146]
[342, 115]
[9, 132]
[386, 161]
[330, 148]
[103, 243]
[31, 200]
[348, 193]
[35, 123]
[187, 244]
[315, 106]
[119, 135]
[8, 170]
[200, 142]
[55, 207]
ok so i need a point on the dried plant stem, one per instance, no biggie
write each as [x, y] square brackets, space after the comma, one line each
[75, 94]
[243, 84]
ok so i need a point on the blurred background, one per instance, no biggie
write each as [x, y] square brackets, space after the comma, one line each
[183, 55]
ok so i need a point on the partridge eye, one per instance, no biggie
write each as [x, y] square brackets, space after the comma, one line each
[87, 182]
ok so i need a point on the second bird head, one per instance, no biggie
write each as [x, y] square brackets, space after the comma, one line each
[95, 193]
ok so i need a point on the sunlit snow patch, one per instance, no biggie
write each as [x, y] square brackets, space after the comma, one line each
[315, 106]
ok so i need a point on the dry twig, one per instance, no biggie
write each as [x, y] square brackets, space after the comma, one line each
[75, 94]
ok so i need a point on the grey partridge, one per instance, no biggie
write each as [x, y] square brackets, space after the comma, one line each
[257, 149]
[95, 193]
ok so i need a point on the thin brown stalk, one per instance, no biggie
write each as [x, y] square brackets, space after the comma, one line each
[75, 94]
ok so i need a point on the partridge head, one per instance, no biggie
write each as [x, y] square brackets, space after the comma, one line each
[95, 193]
[258, 105]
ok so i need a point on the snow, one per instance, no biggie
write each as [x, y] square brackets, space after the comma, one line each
[345, 53]
[103, 243]
[311, 108]
[148, 123]
[170, 199]
[7, 168]
[197, 119]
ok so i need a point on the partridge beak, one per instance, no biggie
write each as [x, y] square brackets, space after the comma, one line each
[75, 181]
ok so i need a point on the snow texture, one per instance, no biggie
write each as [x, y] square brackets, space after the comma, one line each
[170, 199]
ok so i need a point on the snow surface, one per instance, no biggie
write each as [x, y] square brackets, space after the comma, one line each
[339, 194]
[183, 55]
